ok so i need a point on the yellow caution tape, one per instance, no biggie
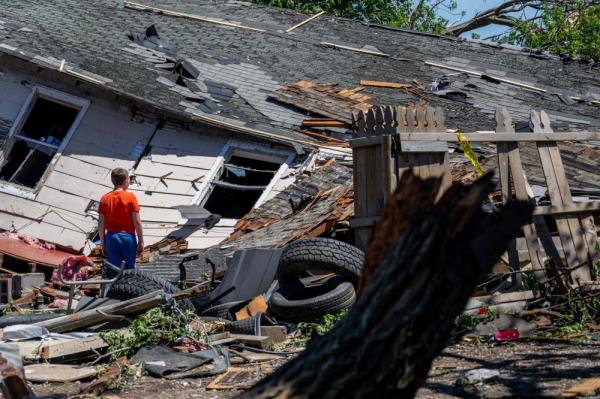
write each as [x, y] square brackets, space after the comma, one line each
[468, 151]
[466, 146]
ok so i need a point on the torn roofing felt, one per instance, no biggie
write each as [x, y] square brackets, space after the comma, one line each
[258, 57]
[317, 200]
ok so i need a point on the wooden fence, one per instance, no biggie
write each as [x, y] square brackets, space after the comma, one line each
[389, 140]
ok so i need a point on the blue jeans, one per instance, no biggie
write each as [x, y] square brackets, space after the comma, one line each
[121, 247]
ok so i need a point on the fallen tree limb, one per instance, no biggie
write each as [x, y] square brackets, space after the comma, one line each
[385, 345]
[129, 307]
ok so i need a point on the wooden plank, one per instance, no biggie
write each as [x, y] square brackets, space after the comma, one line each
[569, 227]
[71, 349]
[58, 373]
[562, 223]
[504, 125]
[480, 74]
[392, 85]
[307, 20]
[323, 122]
[488, 137]
[256, 341]
[504, 172]
[137, 6]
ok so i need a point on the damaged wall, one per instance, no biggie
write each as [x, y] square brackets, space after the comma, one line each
[170, 167]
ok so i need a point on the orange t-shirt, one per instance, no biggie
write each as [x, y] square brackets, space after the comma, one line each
[117, 207]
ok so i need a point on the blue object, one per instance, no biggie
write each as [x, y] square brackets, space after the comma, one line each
[121, 247]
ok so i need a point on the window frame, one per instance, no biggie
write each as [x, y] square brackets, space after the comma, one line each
[248, 150]
[49, 94]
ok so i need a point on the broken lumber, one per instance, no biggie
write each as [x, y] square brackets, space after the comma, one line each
[391, 85]
[255, 341]
[134, 306]
[385, 345]
[95, 388]
[13, 385]
[323, 122]
[307, 20]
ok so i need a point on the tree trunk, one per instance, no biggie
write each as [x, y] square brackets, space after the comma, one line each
[385, 345]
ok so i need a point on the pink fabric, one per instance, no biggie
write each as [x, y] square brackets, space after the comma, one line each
[29, 240]
[76, 268]
[58, 303]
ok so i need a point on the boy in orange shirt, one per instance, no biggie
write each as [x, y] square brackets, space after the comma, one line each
[119, 222]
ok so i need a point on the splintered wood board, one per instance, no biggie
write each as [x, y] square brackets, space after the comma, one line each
[589, 385]
[45, 372]
[233, 378]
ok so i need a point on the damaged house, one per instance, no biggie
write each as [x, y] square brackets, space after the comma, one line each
[217, 107]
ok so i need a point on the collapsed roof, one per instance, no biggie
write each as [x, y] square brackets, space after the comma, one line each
[312, 205]
[239, 54]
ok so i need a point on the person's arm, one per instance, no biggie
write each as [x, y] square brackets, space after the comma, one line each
[102, 231]
[137, 222]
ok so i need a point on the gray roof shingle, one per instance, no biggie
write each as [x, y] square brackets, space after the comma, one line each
[93, 37]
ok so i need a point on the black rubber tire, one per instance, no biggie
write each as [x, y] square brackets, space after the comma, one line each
[224, 310]
[134, 283]
[320, 256]
[6, 321]
[339, 298]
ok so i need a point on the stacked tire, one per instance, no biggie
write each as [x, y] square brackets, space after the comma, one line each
[335, 265]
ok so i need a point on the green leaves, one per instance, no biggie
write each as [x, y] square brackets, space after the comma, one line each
[419, 15]
[571, 28]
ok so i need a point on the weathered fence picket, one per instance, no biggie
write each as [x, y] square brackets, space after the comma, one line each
[389, 140]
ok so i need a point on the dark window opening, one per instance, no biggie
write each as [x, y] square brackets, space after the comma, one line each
[36, 143]
[240, 185]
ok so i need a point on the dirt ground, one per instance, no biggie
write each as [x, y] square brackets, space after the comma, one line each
[528, 369]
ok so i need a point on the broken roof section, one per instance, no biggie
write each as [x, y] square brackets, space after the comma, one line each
[244, 49]
[312, 206]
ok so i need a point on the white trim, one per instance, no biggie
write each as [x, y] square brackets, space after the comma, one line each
[248, 150]
[56, 96]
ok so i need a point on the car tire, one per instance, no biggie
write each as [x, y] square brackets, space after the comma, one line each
[135, 283]
[320, 256]
[338, 298]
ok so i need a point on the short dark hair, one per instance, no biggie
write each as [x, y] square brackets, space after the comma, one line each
[118, 176]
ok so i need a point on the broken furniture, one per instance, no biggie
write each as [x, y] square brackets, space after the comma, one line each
[77, 283]
[390, 140]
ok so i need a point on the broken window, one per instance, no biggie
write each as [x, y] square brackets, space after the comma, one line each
[38, 136]
[239, 185]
